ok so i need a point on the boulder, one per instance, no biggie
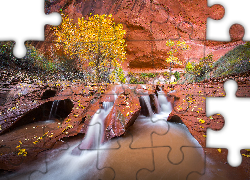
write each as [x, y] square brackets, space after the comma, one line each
[125, 111]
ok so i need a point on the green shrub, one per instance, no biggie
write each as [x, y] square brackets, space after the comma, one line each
[6, 53]
[133, 80]
[234, 62]
[35, 60]
[166, 75]
[200, 69]
[177, 75]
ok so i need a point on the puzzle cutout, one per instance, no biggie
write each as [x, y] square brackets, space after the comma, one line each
[123, 90]
[234, 156]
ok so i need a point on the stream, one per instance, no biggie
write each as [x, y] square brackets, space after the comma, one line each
[151, 149]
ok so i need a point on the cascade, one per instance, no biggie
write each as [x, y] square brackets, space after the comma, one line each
[68, 166]
[158, 108]
[96, 132]
[155, 103]
[163, 102]
[107, 105]
[53, 109]
[146, 100]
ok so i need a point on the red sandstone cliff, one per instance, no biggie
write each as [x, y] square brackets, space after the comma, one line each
[148, 25]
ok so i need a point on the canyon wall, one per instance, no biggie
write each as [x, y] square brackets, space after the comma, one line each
[149, 24]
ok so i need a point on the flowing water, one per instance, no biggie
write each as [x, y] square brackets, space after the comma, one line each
[96, 132]
[157, 104]
[53, 109]
[146, 100]
[127, 157]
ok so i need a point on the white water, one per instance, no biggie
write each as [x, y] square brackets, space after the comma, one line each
[125, 157]
[95, 133]
[157, 104]
[165, 105]
[53, 109]
[147, 102]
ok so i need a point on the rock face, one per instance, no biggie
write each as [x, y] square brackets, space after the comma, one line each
[154, 103]
[37, 121]
[123, 114]
[148, 25]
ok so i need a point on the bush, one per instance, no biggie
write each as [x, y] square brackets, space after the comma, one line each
[166, 75]
[177, 75]
[35, 60]
[234, 62]
[148, 75]
[200, 69]
[133, 80]
[6, 55]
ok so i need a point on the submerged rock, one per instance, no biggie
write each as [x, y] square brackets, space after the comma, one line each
[154, 103]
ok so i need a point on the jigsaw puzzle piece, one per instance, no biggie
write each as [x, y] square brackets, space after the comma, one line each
[179, 19]
[177, 138]
[225, 137]
[183, 54]
[95, 127]
[219, 29]
[26, 26]
[76, 167]
[125, 161]
[160, 25]
[144, 128]
[193, 162]
[21, 141]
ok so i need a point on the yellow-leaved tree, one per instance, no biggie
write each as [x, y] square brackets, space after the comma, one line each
[176, 46]
[95, 41]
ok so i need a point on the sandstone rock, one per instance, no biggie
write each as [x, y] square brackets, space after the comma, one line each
[21, 124]
[146, 20]
[154, 103]
[123, 114]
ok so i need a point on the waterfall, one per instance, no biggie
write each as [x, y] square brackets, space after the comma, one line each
[155, 103]
[96, 132]
[163, 102]
[53, 109]
[146, 100]
[64, 165]
[107, 105]
[115, 96]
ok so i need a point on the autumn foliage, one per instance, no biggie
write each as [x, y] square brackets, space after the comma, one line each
[96, 44]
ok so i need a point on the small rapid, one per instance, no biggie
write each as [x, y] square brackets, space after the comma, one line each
[53, 109]
[95, 133]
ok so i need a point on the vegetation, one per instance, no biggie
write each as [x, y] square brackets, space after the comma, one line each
[144, 78]
[36, 60]
[6, 49]
[176, 47]
[234, 62]
[177, 75]
[196, 71]
[32, 61]
[96, 41]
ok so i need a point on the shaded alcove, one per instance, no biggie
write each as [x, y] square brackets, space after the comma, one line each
[44, 113]
[175, 119]
[144, 109]
[154, 103]
[48, 93]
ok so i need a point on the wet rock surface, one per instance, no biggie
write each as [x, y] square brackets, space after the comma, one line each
[27, 128]
[41, 124]
[23, 144]
[124, 112]
[189, 105]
